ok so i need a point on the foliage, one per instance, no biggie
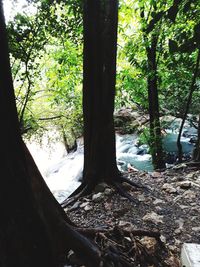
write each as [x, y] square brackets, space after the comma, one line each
[46, 64]
[46, 54]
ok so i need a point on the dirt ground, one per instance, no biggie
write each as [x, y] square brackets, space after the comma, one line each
[170, 204]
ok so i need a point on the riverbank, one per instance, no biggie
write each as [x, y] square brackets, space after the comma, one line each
[172, 207]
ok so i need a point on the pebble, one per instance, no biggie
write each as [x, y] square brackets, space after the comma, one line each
[157, 201]
[185, 184]
[153, 217]
[169, 188]
[83, 205]
[75, 206]
[178, 231]
[108, 191]
[196, 229]
[88, 207]
[141, 198]
[98, 197]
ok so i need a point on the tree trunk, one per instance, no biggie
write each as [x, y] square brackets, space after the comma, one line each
[34, 230]
[192, 88]
[196, 152]
[100, 46]
[152, 83]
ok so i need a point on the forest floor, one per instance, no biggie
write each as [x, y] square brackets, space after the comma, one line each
[171, 206]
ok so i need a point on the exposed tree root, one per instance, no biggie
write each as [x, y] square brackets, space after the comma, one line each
[122, 191]
[91, 232]
[81, 192]
[125, 248]
[86, 189]
[123, 179]
[118, 186]
[193, 164]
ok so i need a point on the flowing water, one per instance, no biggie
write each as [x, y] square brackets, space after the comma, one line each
[62, 172]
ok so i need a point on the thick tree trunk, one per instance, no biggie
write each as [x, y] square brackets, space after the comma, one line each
[34, 230]
[155, 130]
[100, 45]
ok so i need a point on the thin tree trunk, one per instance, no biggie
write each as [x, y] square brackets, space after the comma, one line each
[100, 46]
[192, 88]
[155, 130]
[196, 152]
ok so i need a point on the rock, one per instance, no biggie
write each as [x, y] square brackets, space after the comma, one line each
[190, 175]
[153, 217]
[83, 205]
[189, 194]
[98, 197]
[100, 187]
[169, 188]
[108, 191]
[149, 243]
[185, 184]
[75, 206]
[141, 198]
[184, 207]
[157, 201]
[156, 174]
[177, 242]
[173, 261]
[196, 229]
[163, 239]
[180, 222]
[88, 207]
[178, 231]
[173, 248]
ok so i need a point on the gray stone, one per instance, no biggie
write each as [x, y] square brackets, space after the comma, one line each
[196, 229]
[163, 239]
[98, 197]
[88, 207]
[189, 194]
[83, 205]
[157, 201]
[153, 217]
[169, 188]
[178, 231]
[185, 184]
[184, 207]
[190, 175]
[180, 222]
[108, 191]
[75, 206]
[141, 198]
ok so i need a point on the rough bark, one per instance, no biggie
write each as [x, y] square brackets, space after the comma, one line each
[196, 152]
[100, 46]
[34, 230]
[191, 90]
[152, 84]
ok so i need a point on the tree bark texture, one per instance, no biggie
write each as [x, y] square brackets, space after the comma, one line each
[34, 229]
[100, 46]
[152, 84]
[196, 152]
[191, 90]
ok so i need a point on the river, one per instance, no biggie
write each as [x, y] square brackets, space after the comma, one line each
[63, 171]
